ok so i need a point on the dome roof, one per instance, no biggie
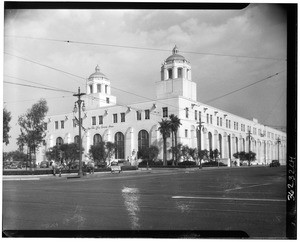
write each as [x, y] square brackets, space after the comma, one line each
[97, 73]
[175, 56]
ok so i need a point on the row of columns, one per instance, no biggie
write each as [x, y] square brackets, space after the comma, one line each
[186, 73]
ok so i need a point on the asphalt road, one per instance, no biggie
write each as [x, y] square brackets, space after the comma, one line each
[226, 199]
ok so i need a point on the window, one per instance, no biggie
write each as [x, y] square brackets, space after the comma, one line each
[229, 124]
[119, 150]
[138, 115]
[196, 112]
[106, 88]
[122, 117]
[165, 112]
[98, 87]
[59, 141]
[226, 123]
[211, 119]
[221, 122]
[147, 114]
[62, 124]
[200, 116]
[170, 73]
[91, 88]
[107, 100]
[76, 139]
[237, 126]
[143, 140]
[254, 130]
[100, 119]
[186, 133]
[218, 120]
[74, 122]
[115, 118]
[97, 139]
[207, 118]
[179, 72]
[186, 112]
[94, 120]
[56, 124]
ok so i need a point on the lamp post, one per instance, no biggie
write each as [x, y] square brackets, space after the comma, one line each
[278, 141]
[79, 102]
[199, 136]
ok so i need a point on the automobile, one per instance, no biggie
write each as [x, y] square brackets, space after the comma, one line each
[43, 165]
[114, 163]
[13, 166]
[274, 163]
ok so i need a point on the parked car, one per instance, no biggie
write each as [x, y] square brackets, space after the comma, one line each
[43, 165]
[274, 163]
[13, 166]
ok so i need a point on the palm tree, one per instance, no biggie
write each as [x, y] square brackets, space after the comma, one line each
[174, 125]
[165, 130]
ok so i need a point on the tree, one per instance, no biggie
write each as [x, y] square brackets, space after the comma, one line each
[215, 154]
[193, 152]
[202, 155]
[6, 127]
[165, 130]
[245, 156]
[174, 126]
[33, 127]
[185, 152]
[153, 152]
[102, 151]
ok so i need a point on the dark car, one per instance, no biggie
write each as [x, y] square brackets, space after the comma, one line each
[274, 163]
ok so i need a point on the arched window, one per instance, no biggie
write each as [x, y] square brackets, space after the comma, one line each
[120, 146]
[220, 145]
[97, 139]
[143, 139]
[179, 72]
[59, 141]
[170, 73]
[229, 146]
[209, 141]
[76, 139]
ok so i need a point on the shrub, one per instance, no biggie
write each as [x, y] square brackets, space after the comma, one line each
[187, 163]
[212, 164]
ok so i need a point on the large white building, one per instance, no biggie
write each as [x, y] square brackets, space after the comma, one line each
[134, 126]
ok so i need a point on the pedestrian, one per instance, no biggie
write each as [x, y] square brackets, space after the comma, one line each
[59, 169]
[92, 167]
[54, 168]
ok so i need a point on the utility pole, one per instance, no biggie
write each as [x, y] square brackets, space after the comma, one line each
[79, 102]
[278, 141]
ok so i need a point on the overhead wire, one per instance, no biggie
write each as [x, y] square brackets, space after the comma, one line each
[239, 89]
[142, 48]
[135, 93]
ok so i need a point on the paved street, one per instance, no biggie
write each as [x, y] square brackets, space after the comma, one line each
[236, 199]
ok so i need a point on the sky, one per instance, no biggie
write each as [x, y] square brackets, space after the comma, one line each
[227, 49]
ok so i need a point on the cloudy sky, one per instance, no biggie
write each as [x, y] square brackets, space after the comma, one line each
[227, 49]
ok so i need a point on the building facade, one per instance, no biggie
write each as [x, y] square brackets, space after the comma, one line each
[135, 126]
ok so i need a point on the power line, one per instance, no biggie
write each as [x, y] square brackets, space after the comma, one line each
[45, 88]
[134, 93]
[211, 100]
[144, 48]
[65, 72]
[37, 83]
[28, 100]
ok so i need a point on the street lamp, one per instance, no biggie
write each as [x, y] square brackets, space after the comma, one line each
[199, 136]
[78, 107]
[278, 141]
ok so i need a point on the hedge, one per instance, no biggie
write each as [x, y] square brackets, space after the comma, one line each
[49, 171]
